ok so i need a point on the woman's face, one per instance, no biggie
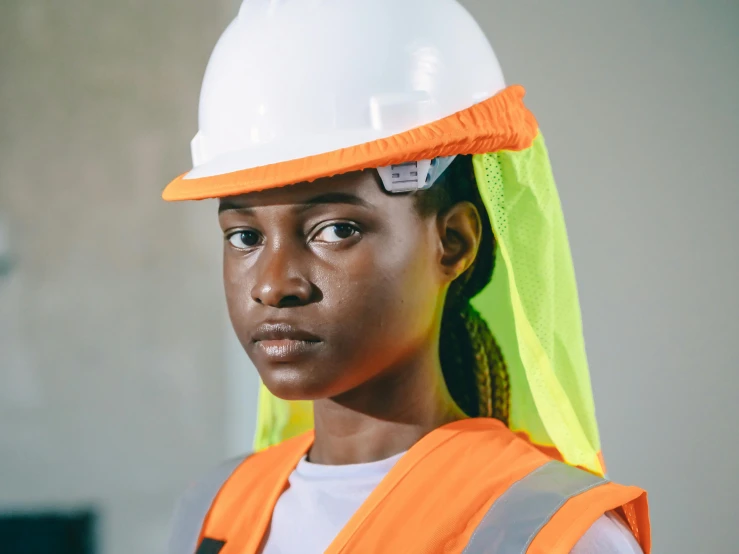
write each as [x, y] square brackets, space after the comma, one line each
[332, 283]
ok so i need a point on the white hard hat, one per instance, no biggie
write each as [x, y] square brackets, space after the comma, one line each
[294, 79]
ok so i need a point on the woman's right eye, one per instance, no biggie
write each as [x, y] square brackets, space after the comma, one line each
[243, 240]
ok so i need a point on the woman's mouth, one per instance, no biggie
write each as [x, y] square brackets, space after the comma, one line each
[286, 349]
[283, 341]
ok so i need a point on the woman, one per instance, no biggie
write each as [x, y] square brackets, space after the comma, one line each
[384, 206]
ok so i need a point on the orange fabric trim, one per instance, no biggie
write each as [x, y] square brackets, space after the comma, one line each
[578, 514]
[637, 516]
[498, 123]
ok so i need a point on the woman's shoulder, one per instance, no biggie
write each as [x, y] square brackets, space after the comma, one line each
[248, 470]
[608, 535]
[194, 504]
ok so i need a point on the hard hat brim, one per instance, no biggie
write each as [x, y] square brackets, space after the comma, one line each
[501, 122]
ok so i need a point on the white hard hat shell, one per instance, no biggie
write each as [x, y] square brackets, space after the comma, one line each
[290, 79]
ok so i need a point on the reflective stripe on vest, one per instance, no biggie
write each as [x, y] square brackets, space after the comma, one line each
[515, 519]
[193, 508]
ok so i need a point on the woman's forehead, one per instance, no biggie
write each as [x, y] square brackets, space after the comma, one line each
[359, 187]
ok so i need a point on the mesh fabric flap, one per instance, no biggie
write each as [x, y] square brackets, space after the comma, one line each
[532, 307]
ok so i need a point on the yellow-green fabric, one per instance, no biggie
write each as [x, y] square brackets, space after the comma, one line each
[278, 420]
[531, 306]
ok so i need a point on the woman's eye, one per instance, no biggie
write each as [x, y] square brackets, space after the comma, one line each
[244, 239]
[336, 232]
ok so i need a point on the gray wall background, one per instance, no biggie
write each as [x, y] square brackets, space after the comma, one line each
[119, 379]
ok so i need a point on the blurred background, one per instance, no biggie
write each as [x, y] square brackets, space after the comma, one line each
[120, 380]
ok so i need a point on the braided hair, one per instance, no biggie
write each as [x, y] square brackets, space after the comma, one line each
[471, 360]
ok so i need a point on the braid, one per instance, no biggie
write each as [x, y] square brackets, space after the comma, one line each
[468, 344]
[476, 330]
[471, 360]
[491, 372]
[456, 352]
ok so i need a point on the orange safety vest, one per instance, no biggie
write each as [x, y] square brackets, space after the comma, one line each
[470, 487]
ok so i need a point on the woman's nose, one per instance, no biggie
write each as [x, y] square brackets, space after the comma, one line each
[280, 283]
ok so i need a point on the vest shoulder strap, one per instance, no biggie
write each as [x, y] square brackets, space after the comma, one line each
[517, 516]
[549, 510]
[578, 511]
[241, 509]
[194, 505]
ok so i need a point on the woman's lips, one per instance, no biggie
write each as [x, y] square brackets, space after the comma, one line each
[284, 341]
[287, 349]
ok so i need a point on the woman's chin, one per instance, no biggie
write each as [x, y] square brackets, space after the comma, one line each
[295, 384]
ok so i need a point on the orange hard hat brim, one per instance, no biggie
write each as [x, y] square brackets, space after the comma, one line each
[501, 122]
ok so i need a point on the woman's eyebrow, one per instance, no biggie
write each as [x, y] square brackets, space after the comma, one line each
[332, 198]
[225, 206]
[321, 199]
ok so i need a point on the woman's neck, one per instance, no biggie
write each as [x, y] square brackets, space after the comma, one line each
[383, 417]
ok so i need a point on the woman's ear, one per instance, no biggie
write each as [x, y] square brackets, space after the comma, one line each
[460, 230]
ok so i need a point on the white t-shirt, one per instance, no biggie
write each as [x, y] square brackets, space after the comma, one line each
[321, 499]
